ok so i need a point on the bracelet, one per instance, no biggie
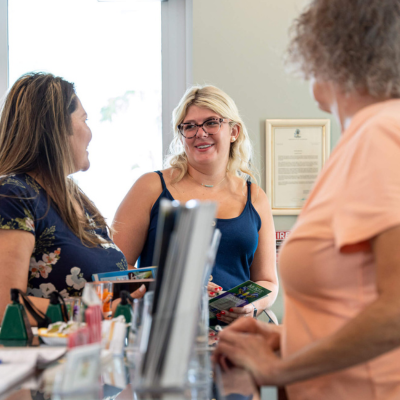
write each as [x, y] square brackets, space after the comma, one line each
[255, 311]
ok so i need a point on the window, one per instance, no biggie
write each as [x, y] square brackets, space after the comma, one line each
[112, 51]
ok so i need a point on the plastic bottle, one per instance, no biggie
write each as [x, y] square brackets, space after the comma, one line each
[124, 308]
[54, 310]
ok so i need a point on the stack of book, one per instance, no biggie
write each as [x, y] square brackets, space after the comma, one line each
[184, 238]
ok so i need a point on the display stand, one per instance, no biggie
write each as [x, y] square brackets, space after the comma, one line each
[173, 347]
[197, 379]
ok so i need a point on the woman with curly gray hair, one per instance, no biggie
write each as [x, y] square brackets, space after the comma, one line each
[341, 265]
[210, 159]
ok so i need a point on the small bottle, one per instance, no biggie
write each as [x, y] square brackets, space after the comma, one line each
[124, 308]
[15, 325]
[54, 310]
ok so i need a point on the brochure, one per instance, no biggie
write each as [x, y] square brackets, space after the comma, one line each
[127, 275]
[239, 296]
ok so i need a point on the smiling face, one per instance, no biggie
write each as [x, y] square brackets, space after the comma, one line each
[206, 149]
[80, 139]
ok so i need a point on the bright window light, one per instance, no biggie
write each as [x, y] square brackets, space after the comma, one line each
[112, 52]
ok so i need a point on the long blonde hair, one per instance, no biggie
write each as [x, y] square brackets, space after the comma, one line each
[35, 127]
[214, 99]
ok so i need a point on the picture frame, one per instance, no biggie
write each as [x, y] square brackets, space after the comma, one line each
[296, 151]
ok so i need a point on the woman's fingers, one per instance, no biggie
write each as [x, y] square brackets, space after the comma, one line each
[225, 318]
[213, 289]
[235, 313]
[270, 333]
[139, 293]
[249, 351]
[244, 311]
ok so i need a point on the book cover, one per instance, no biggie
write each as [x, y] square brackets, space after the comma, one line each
[127, 275]
[239, 296]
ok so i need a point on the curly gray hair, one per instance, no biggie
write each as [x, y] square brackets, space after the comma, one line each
[354, 43]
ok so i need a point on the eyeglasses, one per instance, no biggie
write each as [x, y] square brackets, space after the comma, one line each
[212, 126]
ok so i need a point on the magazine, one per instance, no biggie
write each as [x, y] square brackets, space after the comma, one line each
[127, 275]
[239, 296]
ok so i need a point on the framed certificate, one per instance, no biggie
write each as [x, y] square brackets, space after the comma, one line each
[296, 150]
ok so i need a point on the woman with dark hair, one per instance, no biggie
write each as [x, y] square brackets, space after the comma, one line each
[52, 237]
[340, 267]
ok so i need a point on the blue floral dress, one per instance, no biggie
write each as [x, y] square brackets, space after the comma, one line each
[59, 260]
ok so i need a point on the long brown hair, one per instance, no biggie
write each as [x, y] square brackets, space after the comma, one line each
[35, 126]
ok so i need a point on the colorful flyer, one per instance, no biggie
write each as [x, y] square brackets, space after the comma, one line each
[239, 296]
[126, 275]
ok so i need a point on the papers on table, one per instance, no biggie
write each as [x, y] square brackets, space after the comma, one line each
[11, 375]
[18, 363]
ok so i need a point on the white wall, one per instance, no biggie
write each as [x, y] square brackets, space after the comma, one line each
[3, 49]
[238, 46]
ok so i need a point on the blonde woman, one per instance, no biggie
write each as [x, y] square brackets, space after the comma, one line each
[341, 264]
[210, 159]
[52, 237]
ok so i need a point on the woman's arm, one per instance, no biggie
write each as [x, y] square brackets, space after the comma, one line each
[374, 331]
[132, 219]
[263, 267]
[16, 248]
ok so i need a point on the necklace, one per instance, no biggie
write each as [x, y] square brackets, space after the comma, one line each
[203, 184]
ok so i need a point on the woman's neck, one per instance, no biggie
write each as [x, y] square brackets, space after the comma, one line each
[36, 176]
[346, 105]
[206, 176]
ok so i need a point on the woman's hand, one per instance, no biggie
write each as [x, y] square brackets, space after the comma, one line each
[139, 293]
[213, 289]
[236, 312]
[252, 345]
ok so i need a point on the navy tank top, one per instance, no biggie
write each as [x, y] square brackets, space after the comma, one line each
[238, 244]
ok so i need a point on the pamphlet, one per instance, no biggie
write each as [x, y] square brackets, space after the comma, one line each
[239, 296]
[127, 275]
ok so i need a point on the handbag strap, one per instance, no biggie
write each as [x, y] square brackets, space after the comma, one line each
[43, 321]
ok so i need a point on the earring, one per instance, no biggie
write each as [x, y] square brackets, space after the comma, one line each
[233, 139]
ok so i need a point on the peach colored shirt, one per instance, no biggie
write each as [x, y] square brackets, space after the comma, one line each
[327, 267]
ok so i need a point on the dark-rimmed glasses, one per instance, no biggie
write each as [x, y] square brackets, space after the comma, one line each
[189, 129]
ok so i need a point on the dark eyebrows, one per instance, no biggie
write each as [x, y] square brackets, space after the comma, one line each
[207, 119]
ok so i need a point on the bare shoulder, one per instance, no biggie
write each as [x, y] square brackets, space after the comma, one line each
[259, 198]
[146, 189]
[169, 175]
[148, 184]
